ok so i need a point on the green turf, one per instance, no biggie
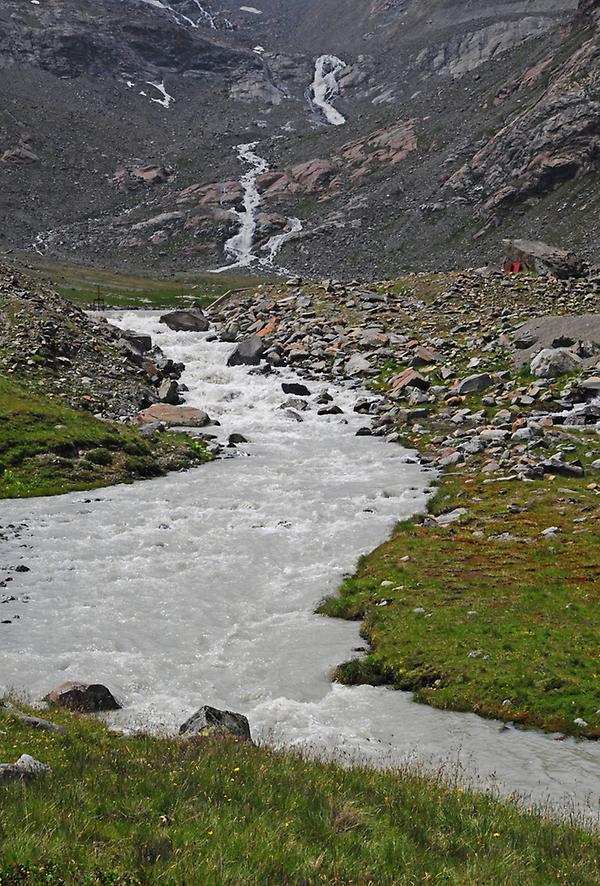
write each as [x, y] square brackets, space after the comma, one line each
[142, 810]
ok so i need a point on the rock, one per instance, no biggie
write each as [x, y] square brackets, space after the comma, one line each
[32, 722]
[186, 321]
[174, 416]
[537, 257]
[209, 719]
[474, 384]
[21, 156]
[168, 392]
[409, 379]
[297, 390]
[357, 364]
[249, 352]
[86, 697]
[330, 410]
[26, 769]
[364, 432]
[143, 343]
[450, 517]
[552, 362]
[235, 439]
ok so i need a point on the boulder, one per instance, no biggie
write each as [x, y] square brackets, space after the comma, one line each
[357, 364]
[540, 258]
[85, 697]
[474, 384]
[552, 362]
[296, 389]
[192, 320]
[174, 416]
[142, 343]
[168, 392]
[25, 769]
[249, 352]
[209, 719]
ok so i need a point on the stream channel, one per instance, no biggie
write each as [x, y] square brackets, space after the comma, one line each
[200, 588]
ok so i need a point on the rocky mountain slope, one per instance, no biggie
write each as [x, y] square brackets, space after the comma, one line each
[389, 135]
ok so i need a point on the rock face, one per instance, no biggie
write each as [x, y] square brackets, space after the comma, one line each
[473, 125]
[248, 353]
[174, 416]
[85, 697]
[186, 321]
[209, 719]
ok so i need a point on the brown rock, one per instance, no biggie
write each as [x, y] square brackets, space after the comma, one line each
[174, 416]
[86, 697]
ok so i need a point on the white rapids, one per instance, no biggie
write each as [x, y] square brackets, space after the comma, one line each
[325, 87]
[199, 588]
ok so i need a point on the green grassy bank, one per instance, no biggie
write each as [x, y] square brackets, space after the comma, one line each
[47, 448]
[144, 810]
[84, 285]
[488, 614]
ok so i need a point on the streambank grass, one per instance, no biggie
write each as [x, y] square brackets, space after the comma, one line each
[488, 614]
[47, 448]
[143, 810]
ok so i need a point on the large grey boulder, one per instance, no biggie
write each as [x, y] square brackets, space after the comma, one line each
[249, 352]
[209, 719]
[83, 697]
[25, 769]
[192, 320]
[474, 384]
[552, 362]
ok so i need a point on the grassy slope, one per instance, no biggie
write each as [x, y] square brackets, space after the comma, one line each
[534, 638]
[214, 811]
[83, 285]
[48, 448]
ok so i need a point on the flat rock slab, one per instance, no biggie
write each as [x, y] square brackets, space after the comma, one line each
[174, 416]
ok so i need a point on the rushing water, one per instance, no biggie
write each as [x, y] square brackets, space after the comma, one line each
[199, 588]
[325, 87]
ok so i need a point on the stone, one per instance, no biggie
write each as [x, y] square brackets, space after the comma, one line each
[474, 384]
[174, 416]
[357, 364]
[296, 389]
[142, 342]
[236, 439]
[168, 392]
[330, 410]
[248, 352]
[553, 362]
[208, 719]
[540, 258]
[25, 769]
[85, 697]
[192, 320]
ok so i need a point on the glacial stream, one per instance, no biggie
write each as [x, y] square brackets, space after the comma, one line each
[199, 588]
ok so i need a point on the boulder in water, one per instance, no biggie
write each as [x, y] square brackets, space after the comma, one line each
[296, 389]
[209, 719]
[192, 320]
[84, 697]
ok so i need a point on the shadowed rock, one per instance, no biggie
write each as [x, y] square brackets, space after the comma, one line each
[84, 697]
[186, 321]
[209, 719]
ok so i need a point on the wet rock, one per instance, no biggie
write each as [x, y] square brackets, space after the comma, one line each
[364, 432]
[174, 416]
[330, 410]
[297, 390]
[249, 352]
[236, 439]
[186, 321]
[142, 342]
[85, 697]
[208, 719]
